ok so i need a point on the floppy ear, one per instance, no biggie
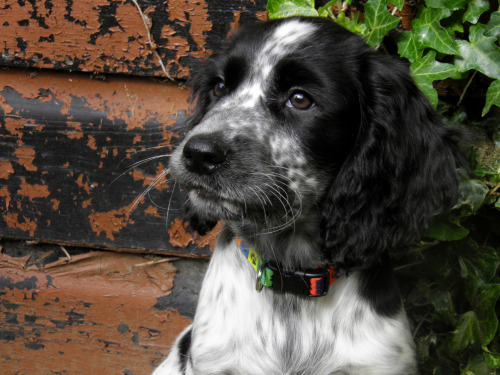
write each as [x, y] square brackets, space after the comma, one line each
[401, 173]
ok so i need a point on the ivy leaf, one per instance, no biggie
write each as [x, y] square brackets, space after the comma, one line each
[491, 359]
[493, 26]
[475, 9]
[399, 4]
[408, 47]
[467, 332]
[476, 366]
[430, 33]
[480, 53]
[492, 96]
[471, 193]
[435, 3]
[446, 230]
[454, 5]
[323, 11]
[289, 8]
[379, 21]
[427, 70]
[482, 263]
[483, 298]
[485, 310]
[353, 24]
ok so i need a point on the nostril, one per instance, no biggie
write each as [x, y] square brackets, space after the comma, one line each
[203, 154]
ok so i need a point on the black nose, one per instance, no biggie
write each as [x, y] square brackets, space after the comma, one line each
[203, 154]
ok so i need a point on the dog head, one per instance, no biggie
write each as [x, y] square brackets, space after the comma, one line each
[297, 121]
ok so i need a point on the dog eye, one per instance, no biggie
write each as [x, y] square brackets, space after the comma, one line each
[299, 100]
[220, 89]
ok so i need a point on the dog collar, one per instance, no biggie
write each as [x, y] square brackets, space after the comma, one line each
[313, 282]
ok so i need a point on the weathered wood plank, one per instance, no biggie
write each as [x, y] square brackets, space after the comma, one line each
[96, 313]
[111, 36]
[68, 144]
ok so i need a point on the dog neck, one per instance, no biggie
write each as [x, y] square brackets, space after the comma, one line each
[295, 247]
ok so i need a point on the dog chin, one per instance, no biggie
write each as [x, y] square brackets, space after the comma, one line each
[212, 206]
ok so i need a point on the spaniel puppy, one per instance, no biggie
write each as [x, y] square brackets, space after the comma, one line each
[321, 156]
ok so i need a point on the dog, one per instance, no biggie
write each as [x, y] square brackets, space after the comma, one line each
[321, 156]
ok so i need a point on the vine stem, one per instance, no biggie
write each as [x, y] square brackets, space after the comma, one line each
[152, 44]
[466, 88]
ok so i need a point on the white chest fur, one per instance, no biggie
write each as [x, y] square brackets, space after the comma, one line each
[240, 331]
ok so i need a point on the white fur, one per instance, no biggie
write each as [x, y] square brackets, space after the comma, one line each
[226, 339]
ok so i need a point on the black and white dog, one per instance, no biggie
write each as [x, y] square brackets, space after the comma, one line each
[321, 156]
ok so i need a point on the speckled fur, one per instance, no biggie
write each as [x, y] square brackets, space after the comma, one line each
[340, 182]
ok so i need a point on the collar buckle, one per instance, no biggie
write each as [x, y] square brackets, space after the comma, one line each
[313, 282]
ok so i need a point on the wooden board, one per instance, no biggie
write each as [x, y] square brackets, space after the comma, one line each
[89, 312]
[71, 148]
[112, 36]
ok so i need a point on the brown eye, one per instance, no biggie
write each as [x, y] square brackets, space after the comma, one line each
[299, 100]
[219, 89]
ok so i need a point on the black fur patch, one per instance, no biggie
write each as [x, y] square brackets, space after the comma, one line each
[184, 348]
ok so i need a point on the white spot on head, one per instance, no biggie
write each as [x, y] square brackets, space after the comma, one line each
[293, 32]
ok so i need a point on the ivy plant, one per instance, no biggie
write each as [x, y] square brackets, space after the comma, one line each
[450, 281]
[437, 35]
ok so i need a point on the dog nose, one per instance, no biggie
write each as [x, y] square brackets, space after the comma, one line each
[203, 154]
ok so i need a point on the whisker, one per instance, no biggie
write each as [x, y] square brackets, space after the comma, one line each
[138, 163]
[151, 186]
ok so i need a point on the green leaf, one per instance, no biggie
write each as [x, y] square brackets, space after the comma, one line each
[493, 26]
[289, 8]
[353, 24]
[379, 21]
[429, 32]
[399, 4]
[471, 193]
[480, 53]
[454, 5]
[407, 46]
[435, 3]
[476, 366]
[445, 230]
[485, 310]
[323, 11]
[467, 332]
[427, 70]
[483, 298]
[492, 96]
[482, 263]
[491, 359]
[475, 9]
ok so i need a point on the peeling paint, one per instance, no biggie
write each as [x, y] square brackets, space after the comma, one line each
[110, 37]
[86, 315]
[25, 157]
[5, 169]
[14, 221]
[110, 222]
[33, 191]
[71, 162]
[181, 237]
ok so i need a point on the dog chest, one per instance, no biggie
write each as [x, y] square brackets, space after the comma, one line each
[238, 330]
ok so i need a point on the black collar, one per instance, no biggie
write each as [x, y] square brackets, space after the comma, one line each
[313, 282]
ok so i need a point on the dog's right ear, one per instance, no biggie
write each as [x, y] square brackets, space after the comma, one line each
[402, 172]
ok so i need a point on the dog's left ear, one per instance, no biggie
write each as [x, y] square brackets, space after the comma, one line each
[401, 173]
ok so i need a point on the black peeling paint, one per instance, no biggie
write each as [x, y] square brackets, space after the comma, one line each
[184, 295]
[26, 284]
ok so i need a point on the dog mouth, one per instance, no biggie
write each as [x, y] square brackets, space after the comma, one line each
[214, 203]
[206, 194]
